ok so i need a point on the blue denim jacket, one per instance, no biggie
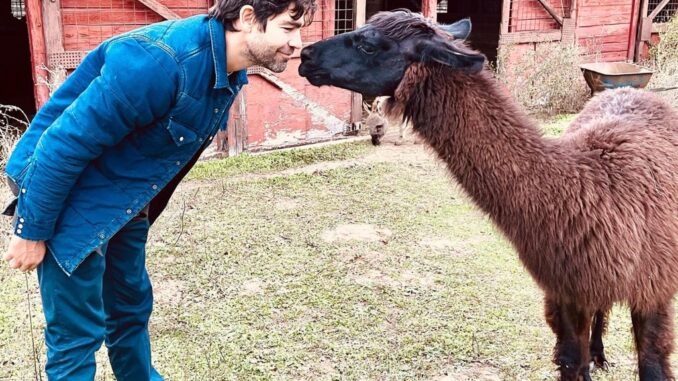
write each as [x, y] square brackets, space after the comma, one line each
[136, 110]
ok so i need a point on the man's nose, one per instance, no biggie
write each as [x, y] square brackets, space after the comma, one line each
[295, 42]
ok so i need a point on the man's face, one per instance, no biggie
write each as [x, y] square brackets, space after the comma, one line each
[273, 47]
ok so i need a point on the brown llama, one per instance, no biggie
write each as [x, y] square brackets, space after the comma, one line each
[593, 215]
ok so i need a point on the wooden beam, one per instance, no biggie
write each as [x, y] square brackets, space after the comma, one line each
[552, 12]
[640, 27]
[505, 16]
[160, 9]
[658, 9]
[429, 9]
[36, 38]
[525, 37]
[633, 30]
[327, 11]
[360, 8]
[51, 11]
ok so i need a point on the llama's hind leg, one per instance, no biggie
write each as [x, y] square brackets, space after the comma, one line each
[597, 349]
[653, 334]
[572, 328]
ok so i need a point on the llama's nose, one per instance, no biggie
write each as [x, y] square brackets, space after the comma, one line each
[306, 53]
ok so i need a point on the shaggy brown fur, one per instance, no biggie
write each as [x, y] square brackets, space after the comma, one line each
[593, 215]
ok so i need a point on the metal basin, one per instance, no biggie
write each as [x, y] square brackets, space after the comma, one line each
[611, 75]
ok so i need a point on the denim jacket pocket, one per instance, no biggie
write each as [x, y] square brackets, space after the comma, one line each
[181, 134]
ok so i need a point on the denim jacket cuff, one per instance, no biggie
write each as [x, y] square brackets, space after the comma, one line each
[33, 230]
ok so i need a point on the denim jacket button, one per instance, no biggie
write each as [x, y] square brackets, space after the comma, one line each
[154, 186]
[21, 220]
[102, 236]
[181, 138]
[18, 231]
[178, 163]
[129, 211]
[23, 190]
[216, 110]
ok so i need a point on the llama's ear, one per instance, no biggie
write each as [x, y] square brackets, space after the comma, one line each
[366, 107]
[455, 55]
[460, 29]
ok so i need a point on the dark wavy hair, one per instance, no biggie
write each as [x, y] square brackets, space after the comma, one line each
[227, 11]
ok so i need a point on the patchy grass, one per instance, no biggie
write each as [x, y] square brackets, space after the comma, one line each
[555, 126]
[247, 288]
[277, 160]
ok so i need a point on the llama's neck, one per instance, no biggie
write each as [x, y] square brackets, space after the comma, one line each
[493, 149]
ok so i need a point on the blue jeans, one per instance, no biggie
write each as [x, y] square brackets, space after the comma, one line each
[108, 298]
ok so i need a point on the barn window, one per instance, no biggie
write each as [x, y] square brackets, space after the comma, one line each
[666, 13]
[343, 16]
[18, 8]
[531, 15]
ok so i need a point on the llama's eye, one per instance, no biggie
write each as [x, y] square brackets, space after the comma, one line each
[369, 50]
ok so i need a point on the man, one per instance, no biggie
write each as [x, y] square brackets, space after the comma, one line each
[103, 156]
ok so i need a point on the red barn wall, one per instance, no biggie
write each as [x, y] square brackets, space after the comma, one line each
[273, 118]
[604, 26]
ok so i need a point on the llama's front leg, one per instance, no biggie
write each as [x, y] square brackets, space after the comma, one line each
[597, 349]
[572, 328]
[653, 334]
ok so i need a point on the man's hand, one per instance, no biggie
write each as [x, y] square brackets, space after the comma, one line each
[23, 254]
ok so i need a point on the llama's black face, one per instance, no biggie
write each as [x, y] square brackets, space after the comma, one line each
[372, 60]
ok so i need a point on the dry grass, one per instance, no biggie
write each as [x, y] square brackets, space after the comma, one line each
[664, 62]
[13, 120]
[545, 80]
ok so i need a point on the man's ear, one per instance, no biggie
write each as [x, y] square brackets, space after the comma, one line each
[246, 22]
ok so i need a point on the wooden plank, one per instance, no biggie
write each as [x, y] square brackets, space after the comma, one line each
[505, 16]
[551, 12]
[525, 37]
[602, 30]
[132, 4]
[234, 139]
[327, 10]
[160, 9]
[597, 3]
[428, 9]
[609, 46]
[112, 17]
[604, 10]
[36, 38]
[360, 9]
[633, 30]
[616, 38]
[51, 11]
[604, 20]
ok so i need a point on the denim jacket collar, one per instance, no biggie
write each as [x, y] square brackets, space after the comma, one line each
[218, 37]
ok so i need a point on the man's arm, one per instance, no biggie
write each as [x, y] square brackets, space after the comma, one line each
[137, 84]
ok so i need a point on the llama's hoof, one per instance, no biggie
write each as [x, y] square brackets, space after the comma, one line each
[599, 361]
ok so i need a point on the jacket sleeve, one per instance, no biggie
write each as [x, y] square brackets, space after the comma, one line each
[137, 83]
